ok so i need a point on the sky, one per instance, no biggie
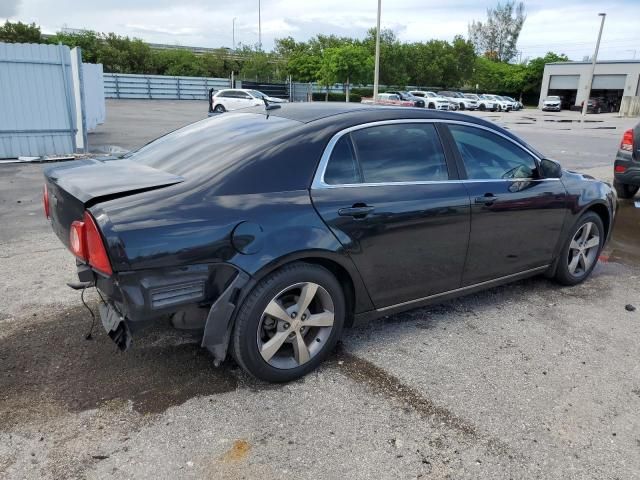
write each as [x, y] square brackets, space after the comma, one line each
[567, 26]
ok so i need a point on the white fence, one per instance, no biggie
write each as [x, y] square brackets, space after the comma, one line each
[36, 100]
[121, 85]
[42, 100]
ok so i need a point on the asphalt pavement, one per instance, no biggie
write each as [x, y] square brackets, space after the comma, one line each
[529, 380]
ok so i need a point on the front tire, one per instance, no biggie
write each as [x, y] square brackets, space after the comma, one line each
[461, 106]
[482, 107]
[580, 252]
[289, 323]
[625, 191]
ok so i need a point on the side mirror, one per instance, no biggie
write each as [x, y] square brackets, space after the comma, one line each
[550, 168]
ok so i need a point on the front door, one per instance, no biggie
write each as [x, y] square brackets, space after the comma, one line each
[516, 216]
[386, 193]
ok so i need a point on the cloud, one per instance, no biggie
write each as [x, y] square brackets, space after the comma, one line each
[9, 8]
[569, 26]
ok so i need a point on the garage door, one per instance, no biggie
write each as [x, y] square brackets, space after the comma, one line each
[564, 82]
[609, 82]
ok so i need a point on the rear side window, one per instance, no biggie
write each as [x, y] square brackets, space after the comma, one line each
[487, 155]
[402, 152]
[342, 168]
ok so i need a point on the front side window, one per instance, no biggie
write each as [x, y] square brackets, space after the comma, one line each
[403, 152]
[487, 155]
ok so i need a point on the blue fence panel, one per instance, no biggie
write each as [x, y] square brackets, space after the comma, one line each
[36, 101]
[120, 85]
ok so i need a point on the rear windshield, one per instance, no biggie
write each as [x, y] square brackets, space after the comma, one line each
[210, 146]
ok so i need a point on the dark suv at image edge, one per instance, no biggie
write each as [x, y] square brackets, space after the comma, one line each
[626, 169]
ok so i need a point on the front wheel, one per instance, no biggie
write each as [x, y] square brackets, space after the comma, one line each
[482, 107]
[625, 191]
[289, 323]
[581, 250]
[462, 106]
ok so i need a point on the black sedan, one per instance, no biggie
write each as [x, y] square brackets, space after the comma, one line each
[271, 230]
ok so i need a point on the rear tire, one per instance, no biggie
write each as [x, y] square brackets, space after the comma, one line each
[219, 108]
[625, 191]
[274, 342]
[580, 252]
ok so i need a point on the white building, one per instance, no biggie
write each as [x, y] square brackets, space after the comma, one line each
[612, 80]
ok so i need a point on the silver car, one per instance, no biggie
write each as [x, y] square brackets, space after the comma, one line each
[552, 103]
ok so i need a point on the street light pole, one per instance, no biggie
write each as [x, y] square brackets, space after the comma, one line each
[593, 68]
[233, 23]
[376, 72]
[259, 26]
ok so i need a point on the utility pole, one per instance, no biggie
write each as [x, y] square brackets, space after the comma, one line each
[233, 23]
[376, 72]
[593, 68]
[259, 26]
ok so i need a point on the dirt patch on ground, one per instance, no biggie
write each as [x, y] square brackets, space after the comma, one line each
[46, 364]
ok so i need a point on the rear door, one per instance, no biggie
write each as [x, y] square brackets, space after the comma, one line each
[392, 198]
[516, 216]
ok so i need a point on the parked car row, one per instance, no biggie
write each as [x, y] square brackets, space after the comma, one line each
[447, 100]
[556, 103]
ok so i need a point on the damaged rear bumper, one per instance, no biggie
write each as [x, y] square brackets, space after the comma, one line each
[137, 298]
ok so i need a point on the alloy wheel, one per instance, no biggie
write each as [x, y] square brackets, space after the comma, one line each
[295, 325]
[583, 249]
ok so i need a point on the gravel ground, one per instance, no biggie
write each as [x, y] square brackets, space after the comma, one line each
[525, 381]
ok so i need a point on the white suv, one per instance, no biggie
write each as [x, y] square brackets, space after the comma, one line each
[236, 98]
[503, 105]
[483, 103]
[463, 102]
[432, 100]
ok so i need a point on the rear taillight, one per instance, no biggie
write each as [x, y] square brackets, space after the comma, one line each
[86, 243]
[45, 201]
[627, 141]
[620, 169]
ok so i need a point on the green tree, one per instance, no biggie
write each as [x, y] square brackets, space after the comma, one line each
[88, 41]
[497, 38]
[259, 65]
[348, 64]
[394, 57]
[532, 78]
[20, 33]
[178, 62]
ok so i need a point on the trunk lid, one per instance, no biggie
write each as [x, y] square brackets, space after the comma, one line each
[73, 187]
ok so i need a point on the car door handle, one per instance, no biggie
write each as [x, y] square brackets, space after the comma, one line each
[356, 211]
[487, 199]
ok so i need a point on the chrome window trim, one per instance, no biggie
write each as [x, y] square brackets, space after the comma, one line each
[318, 179]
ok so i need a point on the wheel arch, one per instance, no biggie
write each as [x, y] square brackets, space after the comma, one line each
[602, 211]
[356, 295]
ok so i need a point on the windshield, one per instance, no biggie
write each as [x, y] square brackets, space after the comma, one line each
[471, 96]
[257, 94]
[431, 95]
[553, 98]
